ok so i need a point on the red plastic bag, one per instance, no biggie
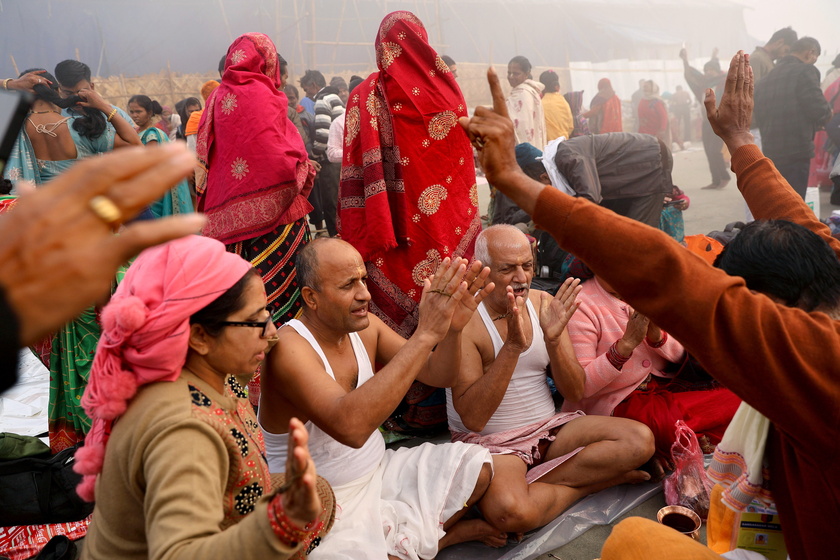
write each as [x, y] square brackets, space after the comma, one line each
[688, 485]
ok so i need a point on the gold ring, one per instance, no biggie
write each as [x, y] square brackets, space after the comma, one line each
[106, 210]
[479, 142]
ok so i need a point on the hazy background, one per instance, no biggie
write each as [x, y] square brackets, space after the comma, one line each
[141, 37]
[816, 18]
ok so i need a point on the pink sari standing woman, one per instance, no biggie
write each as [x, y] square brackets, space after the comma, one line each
[254, 175]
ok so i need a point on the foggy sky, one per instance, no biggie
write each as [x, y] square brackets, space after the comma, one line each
[815, 18]
[141, 36]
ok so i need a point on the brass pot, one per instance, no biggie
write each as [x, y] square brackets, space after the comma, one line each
[680, 519]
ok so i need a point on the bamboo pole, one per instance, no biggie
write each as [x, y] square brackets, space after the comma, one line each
[227, 23]
[340, 27]
[311, 42]
[171, 85]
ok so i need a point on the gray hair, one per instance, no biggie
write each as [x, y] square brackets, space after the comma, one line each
[482, 251]
[306, 265]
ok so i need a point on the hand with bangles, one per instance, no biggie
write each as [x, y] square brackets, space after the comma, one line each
[58, 252]
[27, 82]
[299, 497]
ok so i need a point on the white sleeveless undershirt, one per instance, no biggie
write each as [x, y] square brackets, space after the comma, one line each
[336, 462]
[528, 398]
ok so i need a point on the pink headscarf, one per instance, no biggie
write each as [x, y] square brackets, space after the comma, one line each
[145, 332]
[253, 173]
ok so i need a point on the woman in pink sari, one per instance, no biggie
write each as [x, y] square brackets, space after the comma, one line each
[254, 174]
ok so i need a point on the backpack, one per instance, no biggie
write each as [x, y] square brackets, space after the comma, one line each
[41, 489]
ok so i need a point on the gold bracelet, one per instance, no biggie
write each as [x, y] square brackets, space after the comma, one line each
[111, 114]
[6, 83]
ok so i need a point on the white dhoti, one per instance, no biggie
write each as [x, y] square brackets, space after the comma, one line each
[400, 507]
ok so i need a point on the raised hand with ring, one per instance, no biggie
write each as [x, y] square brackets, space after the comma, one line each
[106, 210]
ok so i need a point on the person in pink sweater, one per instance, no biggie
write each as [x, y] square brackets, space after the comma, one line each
[631, 368]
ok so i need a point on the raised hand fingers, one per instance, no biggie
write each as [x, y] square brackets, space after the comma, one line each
[476, 276]
[442, 275]
[484, 292]
[710, 102]
[511, 299]
[299, 463]
[568, 290]
[499, 105]
[111, 174]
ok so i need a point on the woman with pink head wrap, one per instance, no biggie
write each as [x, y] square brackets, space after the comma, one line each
[175, 458]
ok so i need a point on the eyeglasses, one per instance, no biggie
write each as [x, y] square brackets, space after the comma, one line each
[262, 324]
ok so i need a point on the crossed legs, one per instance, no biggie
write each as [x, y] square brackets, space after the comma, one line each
[613, 449]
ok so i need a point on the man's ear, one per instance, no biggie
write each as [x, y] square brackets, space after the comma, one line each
[200, 341]
[544, 179]
[308, 295]
[92, 86]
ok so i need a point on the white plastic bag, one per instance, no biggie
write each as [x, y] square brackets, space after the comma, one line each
[812, 199]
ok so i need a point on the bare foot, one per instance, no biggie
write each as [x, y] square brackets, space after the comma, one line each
[656, 468]
[473, 530]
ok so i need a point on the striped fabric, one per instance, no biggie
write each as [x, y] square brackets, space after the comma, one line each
[328, 107]
[273, 255]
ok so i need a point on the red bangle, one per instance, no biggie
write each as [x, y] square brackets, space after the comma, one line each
[657, 344]
[615, 357]
[284, 528]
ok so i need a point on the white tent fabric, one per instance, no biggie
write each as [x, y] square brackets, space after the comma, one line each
[23, 408]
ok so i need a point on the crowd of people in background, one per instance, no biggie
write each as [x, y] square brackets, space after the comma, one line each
[233, 393]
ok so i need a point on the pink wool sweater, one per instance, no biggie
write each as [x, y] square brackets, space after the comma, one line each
[597, 324]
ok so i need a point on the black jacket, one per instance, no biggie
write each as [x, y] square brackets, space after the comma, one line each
[789, 109]
[615, 165]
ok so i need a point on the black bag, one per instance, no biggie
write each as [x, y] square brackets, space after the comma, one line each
[36, 490]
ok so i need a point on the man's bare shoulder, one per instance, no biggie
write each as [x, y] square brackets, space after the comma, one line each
[373, 331]
[293, 353]
[381, 341]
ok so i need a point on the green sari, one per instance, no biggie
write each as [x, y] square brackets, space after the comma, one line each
[70, 359]
[178, 199]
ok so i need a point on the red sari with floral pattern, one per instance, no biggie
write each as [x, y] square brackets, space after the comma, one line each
[408, 195]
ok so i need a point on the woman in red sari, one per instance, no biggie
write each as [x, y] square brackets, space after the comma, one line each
[653, 115]
[408, 195]
[254, 175]
[605, 110]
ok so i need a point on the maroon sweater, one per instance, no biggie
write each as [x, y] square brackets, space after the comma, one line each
[781, 360]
